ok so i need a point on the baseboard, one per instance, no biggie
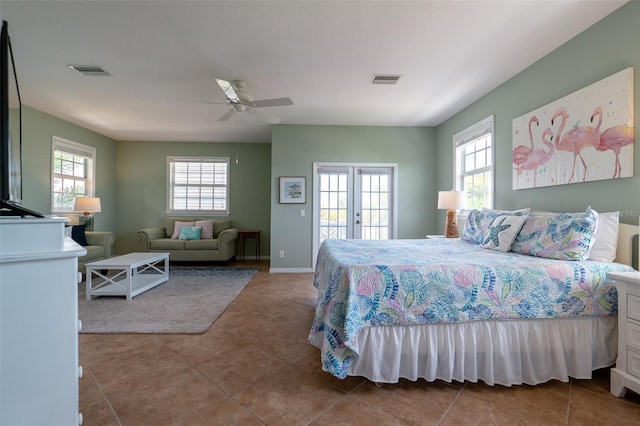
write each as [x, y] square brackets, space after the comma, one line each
[289, 270]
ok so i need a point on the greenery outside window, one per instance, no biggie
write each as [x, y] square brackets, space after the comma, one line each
[73, 173]
[198, 185]
[474, 163]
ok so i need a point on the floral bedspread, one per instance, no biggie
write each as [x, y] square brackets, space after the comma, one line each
[364, 283]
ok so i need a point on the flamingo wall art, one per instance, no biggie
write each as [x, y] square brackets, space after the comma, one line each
[585, 136]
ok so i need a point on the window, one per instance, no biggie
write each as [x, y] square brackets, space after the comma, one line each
[73, 173]
[474, 163]
[198, 185]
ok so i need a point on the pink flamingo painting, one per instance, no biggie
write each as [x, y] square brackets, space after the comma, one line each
[577, 139]
[521, 153]
[615, 138]
[538, 157]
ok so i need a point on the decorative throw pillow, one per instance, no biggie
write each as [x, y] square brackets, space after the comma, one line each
[207, 228]
[178, 226]
[564, 236]
[503, 232]
[78, 235]
[606, 237]
[189, 233]
[476, 228]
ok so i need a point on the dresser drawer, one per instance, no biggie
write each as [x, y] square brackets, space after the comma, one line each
[633, 306]
[633, 336]
[633, 363]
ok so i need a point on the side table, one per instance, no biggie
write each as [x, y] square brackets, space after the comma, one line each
[243, 234]
[626, 374]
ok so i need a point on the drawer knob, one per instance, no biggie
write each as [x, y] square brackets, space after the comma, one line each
[80, 372]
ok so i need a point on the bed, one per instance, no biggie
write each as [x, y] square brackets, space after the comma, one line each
[449, 309]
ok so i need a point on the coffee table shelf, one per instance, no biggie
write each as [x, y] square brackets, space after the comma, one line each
[134, 274]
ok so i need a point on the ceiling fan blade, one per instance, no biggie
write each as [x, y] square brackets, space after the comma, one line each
[227, 115]
[271, 102]
[263, 115]
[228, 90]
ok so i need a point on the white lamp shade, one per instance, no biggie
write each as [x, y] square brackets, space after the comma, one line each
[452, 200]
[87, 204]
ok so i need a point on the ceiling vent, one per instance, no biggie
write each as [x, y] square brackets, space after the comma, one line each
[385, 79]
[90, 70]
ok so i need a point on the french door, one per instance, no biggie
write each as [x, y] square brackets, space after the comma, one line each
[353, 201]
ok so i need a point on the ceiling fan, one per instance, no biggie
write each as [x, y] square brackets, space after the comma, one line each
[241, 101]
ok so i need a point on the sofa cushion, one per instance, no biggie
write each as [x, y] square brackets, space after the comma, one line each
[166, 244]
[219, 226]
[93, 252]
[201, 244]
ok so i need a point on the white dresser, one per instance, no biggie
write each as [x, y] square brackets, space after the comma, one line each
[626, 374]
[39, 368]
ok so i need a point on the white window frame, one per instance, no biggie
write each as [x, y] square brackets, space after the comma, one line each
[171, 186]
[81, 150]
[466, 136]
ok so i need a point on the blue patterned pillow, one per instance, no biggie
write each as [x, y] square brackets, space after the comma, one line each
[190, 233]
[503, 232]
[564, 236]
[476, 228]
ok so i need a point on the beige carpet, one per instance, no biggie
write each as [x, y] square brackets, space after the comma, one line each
[189, 302]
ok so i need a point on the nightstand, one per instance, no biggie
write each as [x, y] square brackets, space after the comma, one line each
[626, 374]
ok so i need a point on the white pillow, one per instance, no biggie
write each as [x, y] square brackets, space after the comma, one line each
[606, 237]
[526, 210]
[503, 232]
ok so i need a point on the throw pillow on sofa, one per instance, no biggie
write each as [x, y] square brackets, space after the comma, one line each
[178, 226]
[190, 233]
[78, 235]
[207, 229]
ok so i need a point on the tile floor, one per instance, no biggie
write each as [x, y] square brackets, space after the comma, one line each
[254, 366]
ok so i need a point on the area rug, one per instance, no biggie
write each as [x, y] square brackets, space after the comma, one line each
[189, 302]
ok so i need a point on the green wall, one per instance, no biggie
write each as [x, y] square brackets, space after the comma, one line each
[131, 176]
[294, 149]
[609, 46]
[38, 130]
[141, 179]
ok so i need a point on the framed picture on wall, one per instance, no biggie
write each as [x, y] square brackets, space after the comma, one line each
[293, 190]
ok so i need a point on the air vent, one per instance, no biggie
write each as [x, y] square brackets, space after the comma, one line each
[90, 70]
[385, 79]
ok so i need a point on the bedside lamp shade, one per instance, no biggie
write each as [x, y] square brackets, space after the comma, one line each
[87, 205]
[451, 201]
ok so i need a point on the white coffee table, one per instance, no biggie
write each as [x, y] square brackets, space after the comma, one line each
[137, 272]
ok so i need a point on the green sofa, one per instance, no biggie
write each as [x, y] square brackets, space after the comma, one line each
[99, 248]
[221, 247]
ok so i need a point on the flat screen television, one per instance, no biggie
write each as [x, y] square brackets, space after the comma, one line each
[10, 133]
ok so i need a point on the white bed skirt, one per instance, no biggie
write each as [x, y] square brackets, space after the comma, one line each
[507, 353]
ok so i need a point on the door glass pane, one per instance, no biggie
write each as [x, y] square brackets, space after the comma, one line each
[374, 208]
[333, 206]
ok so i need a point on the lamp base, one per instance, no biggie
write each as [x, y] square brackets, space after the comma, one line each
[87, 221]
[451, 224]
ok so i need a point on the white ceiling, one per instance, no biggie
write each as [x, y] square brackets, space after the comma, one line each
[164, 56]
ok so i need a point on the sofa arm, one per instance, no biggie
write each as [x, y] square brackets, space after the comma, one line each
[146, 235]
[227, 235]
[100, 238]
[227, 243]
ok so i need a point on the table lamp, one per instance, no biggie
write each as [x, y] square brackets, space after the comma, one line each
[87, 205]
[451, 200]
